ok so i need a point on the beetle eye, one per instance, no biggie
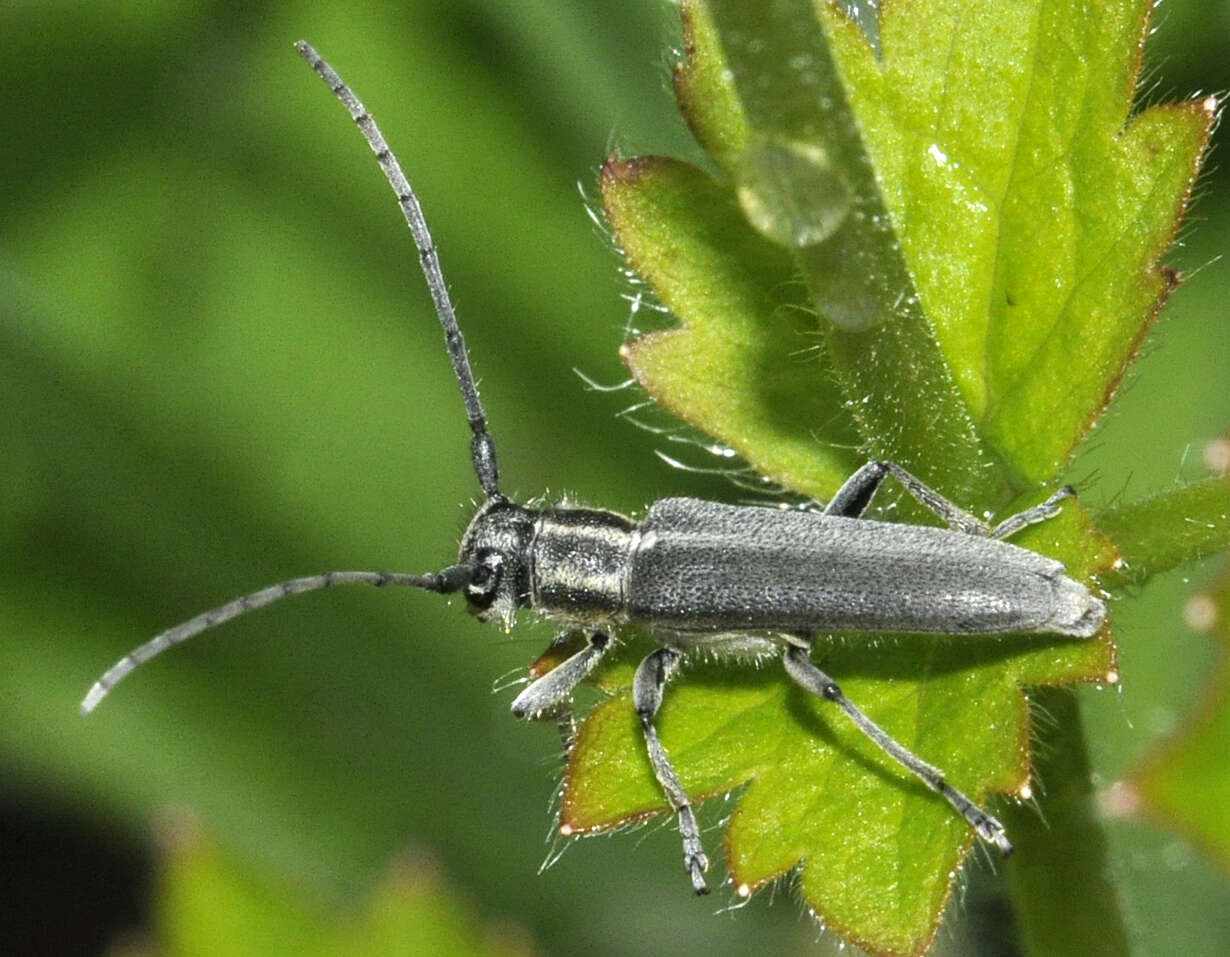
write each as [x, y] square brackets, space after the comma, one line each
[486, 577]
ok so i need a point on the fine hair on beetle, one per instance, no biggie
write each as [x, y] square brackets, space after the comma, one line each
[704, 576]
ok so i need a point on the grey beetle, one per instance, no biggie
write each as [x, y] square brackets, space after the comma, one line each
[700, 574]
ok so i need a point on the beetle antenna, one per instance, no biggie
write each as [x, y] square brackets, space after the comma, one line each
[482, 446]
[452, 579]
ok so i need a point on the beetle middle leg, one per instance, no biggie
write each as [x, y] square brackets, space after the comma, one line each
[797, 659]
[856, 493]
[651, 677]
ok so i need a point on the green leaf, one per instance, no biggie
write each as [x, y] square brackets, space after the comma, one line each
[211, 902]
[1170, 529]
[977, 220]
[743, 366]
[883, 353]
[1186, 781]
[703, 90]
[1032, 206]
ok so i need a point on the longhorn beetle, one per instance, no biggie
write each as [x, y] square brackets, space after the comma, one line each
[702, 575]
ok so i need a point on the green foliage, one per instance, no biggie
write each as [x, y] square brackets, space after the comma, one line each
[1065, 900]
[979, 237]
[211, 903]
[1186, 782]
[1169, 529]
[742, 367]
[219, 369]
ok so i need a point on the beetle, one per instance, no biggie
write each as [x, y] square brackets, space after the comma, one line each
[704, 575]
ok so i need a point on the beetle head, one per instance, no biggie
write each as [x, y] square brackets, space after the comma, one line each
[496, 548]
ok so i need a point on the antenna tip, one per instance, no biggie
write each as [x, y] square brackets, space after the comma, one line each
[95, 695]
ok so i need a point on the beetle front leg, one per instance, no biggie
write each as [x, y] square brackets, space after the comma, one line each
[549, 696]
[651, 677]
[798, 664]
[545, 696]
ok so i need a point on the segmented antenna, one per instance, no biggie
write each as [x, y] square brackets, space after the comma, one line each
[482, 446]
[451, 579]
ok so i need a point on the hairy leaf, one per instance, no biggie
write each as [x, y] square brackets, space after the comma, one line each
[1168, 529]
[976, 218]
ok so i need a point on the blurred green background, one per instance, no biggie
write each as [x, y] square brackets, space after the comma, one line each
[220, 369]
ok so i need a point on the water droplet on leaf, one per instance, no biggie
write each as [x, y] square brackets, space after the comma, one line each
[791, 192]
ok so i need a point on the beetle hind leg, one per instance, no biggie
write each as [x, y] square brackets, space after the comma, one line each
[798, 664]
[651, 677]
[855, 495]
[856, 492]
[1031, 516]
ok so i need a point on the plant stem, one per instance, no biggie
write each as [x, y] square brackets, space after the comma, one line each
[1062, 893]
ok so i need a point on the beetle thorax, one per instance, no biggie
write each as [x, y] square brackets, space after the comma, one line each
[580, 561]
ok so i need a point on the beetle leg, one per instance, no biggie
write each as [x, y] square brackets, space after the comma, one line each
[798, 664]
[651, 677]
[562, 712]
[957, 518]
[953, 514]
[855, 493]
[1039, 513]
[548, 696]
